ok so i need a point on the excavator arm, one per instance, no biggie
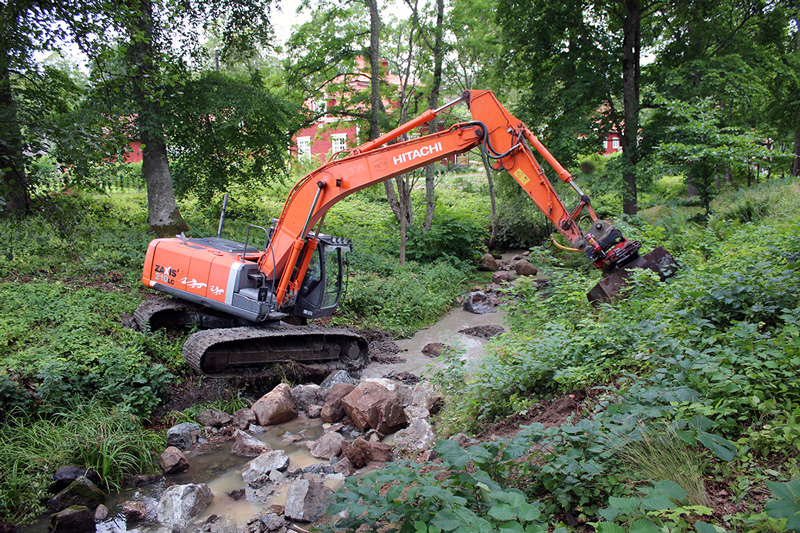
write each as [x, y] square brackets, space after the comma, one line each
[507, 142]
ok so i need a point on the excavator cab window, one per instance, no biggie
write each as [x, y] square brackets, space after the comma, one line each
[322, 285]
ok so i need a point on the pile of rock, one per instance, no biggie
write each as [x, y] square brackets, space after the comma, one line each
[357, 415]
[484, 300]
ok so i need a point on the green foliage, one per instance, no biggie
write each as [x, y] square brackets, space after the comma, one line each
[457, 235]
[110, 440]
[463, 494]
[786, 504]
[230, 129]
[404, 299]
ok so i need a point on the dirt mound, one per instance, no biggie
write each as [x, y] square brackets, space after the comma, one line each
[548, 412]
[382, 347]
[435, 349]
[483, 332]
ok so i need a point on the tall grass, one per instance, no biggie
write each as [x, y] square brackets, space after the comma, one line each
[111, 440]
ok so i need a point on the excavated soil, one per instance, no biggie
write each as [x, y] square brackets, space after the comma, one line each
[548, 412]
[483, 332]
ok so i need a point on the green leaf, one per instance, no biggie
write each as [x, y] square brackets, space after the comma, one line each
[719, 446]
[609, 527]
[782, 490]
[702, 527]
[644, 525]
[671, 489]
[781, 508]
[625, 505]
[446, 520]
[510, 527]
[503, 511]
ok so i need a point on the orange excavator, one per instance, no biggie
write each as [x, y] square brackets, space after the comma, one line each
[245, 295]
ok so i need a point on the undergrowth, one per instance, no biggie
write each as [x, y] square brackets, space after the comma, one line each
[694, 418]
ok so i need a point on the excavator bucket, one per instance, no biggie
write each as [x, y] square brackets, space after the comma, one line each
[659, 261]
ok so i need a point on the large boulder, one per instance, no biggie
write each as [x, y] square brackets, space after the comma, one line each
[524, 268]
[74, 519]
[327, 446]
[487, 263]
[305, 395]
[371, 405]
[275, 406]
[246, 445]
[402, 390]
[184, 435]
[307, 500]
[425, 396]
[173, 461]
[256, 473]
[416, 438]
[333, 411]
[502, 276]
[181, 503]
[68, 473]
[80, 492]
[214, 418]
[479, 303]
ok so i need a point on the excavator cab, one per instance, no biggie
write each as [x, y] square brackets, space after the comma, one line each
[326, 278]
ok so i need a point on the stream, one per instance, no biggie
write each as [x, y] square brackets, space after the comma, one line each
[215, 465]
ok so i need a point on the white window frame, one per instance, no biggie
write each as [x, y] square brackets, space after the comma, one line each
[338, 142]
[615, 143]
[304, 147]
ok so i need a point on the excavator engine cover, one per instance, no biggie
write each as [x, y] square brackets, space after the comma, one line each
[659, 261]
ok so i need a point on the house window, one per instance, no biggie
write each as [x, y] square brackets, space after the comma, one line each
[615, 143]
[304, 146]
[319, 106]
[338, 142]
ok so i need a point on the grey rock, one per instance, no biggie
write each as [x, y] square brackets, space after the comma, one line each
[414, 412]
[477, 302]
[246, 445]
[306, 500]
[214, 418]
[183, 436]
[256, 472]
[76, 518]
[272, 521]
[68, 473]
[305, 395]
[173, 461]
[243, 418]
[425, 396]
[276, 406]
[416, 438]
[327, 446]
[344, 466]
[314, 411]
[181, 503]
[255, 429]
[340, 376]
[101, 513]
[80, 492]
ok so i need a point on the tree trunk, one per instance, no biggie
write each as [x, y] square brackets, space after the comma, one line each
[492, 200]
[15, 191]
[375, 70]
[164, 217]
[796, 162]
[631, 70]
[433, 103]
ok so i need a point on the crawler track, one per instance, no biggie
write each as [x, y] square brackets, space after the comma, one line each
[229, 349]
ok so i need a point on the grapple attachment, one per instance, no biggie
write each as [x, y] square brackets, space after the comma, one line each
[659, 261]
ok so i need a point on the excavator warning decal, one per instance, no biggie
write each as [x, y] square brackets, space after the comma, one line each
[522, 178]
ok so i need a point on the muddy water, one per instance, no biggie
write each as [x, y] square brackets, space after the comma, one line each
[445, 331]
